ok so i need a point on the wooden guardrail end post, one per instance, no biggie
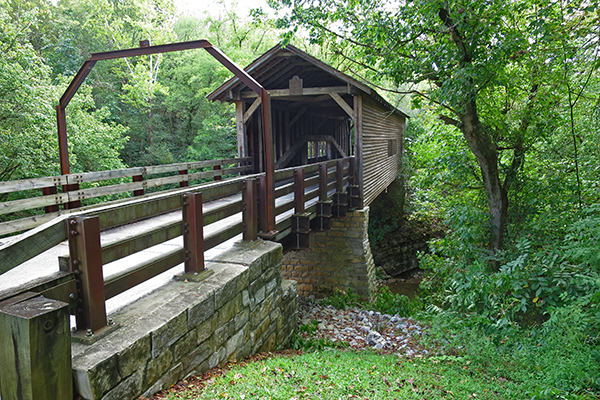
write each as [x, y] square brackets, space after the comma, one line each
[35, 350]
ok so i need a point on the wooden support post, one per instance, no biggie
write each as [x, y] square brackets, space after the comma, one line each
[193, 233]
[299, 190]
[138, 178]
[48, 191]
[323, 182]
[250, 211]
[35, 350]
[72, 204]
[86, 262]
[183, 183]
[301, 219]
[354, 197]
[339, 197]
[323, 220]
[217, 168]
[263, 226]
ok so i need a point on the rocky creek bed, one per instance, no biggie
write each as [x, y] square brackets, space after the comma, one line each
[361, 329]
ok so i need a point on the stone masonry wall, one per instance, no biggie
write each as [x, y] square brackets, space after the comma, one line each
[186, 328]
[337, 260]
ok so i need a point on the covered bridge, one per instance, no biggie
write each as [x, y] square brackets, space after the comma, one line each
[318, 113]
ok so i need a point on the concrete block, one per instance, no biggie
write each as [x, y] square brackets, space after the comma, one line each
[200, 354]
[169, 333]
[259, 296]
[245, 298]
[224, 332]
[157, 367]
[184, 346]
[232, 279]
[262, 328]
[172, 376]
[206, 329]
[216, 358]
[201, 312]
[230, 310]
[129, 389]
[95, 382]
[242, 318]
[234, 343]
[135, 357]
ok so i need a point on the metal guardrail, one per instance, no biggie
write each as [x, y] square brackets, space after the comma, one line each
[81, 283]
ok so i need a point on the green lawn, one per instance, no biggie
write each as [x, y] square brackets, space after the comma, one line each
[339, 374]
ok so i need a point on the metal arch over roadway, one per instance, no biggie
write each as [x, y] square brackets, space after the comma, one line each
[144, 49]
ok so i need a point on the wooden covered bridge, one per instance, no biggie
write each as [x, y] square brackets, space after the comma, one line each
[313, 145]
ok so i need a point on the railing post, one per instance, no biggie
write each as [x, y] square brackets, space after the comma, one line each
[86, 262]
[299, 190]
[354, 198]
[301, 219]
[35, 349]
[323, 205]
[339, 198]
[217, 168]
[138, 178]
[71, 188]
[193, 233]
[263, 211]
[183, 183]
[47, 191]
[250, 211]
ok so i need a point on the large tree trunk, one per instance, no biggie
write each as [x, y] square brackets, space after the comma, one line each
[486, 153]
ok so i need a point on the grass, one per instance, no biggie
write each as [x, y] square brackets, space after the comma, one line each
[334, 374]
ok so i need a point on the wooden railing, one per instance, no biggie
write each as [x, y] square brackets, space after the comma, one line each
[144, 178]
[203, 225]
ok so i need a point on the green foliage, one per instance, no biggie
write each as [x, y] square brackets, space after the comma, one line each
[216, 140]
[554, 363]
[389, 303]
[384, 301]
[342, 299]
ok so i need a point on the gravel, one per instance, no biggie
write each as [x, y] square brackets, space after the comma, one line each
[361, 329]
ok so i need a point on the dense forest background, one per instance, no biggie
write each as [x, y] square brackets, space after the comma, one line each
[131, 112]
[502, 150]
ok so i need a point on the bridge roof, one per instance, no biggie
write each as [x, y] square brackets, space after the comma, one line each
[276, 67]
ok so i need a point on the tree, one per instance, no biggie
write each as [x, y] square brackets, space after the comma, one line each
[28, 138]
[481, 65]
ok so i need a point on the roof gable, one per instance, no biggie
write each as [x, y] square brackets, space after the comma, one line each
[274, 69]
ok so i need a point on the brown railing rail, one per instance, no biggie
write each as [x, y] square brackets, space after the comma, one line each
[144, 178]
[301, 195]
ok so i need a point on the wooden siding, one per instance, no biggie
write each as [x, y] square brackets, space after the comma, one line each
[379, 168]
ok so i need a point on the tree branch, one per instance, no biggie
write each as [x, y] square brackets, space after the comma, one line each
[449, 121]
